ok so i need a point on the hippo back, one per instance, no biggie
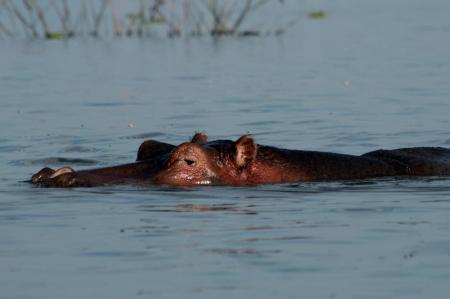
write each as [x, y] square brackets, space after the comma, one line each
[416, 161]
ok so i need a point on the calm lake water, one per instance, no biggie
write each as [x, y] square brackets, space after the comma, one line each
[374, 74]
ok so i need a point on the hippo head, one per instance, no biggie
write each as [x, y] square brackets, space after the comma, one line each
[202, 163]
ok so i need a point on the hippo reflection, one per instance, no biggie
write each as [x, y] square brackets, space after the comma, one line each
[243, 162]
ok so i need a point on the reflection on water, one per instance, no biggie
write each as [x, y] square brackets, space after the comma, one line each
[364, 78]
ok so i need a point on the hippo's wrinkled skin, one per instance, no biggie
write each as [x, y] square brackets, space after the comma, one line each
[243, 162]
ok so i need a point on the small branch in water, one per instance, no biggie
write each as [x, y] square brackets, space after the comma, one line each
[64, 17]
[243, 14]
[117, 24]
[98, 17]
[41, 16]
[5, 30]
[22, 18]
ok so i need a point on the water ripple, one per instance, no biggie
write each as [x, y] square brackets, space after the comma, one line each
[55, 161]
[144, 135]
[242, 251]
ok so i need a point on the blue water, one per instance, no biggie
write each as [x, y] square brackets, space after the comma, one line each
[371, 75]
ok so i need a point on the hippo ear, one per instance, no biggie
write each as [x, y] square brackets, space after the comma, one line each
[245, 150]
[200, 138]
[151, 148]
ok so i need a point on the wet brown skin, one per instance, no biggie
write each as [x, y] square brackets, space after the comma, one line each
[243, 162]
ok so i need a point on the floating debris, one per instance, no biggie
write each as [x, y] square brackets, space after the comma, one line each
[55, 35]
[317, 14]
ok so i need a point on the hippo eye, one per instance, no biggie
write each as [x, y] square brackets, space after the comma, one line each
[189, 162]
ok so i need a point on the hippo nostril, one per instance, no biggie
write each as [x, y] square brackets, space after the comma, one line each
[190, 162]
[42, 175]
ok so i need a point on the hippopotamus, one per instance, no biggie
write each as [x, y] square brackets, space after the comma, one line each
[245, 163]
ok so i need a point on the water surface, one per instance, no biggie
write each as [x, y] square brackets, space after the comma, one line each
[371, 75]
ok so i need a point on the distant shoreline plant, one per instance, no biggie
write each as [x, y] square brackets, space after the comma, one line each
[59, 19]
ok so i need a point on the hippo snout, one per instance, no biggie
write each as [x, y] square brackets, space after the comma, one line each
[42, 175]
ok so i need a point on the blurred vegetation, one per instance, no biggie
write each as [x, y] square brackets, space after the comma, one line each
[56, 19]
